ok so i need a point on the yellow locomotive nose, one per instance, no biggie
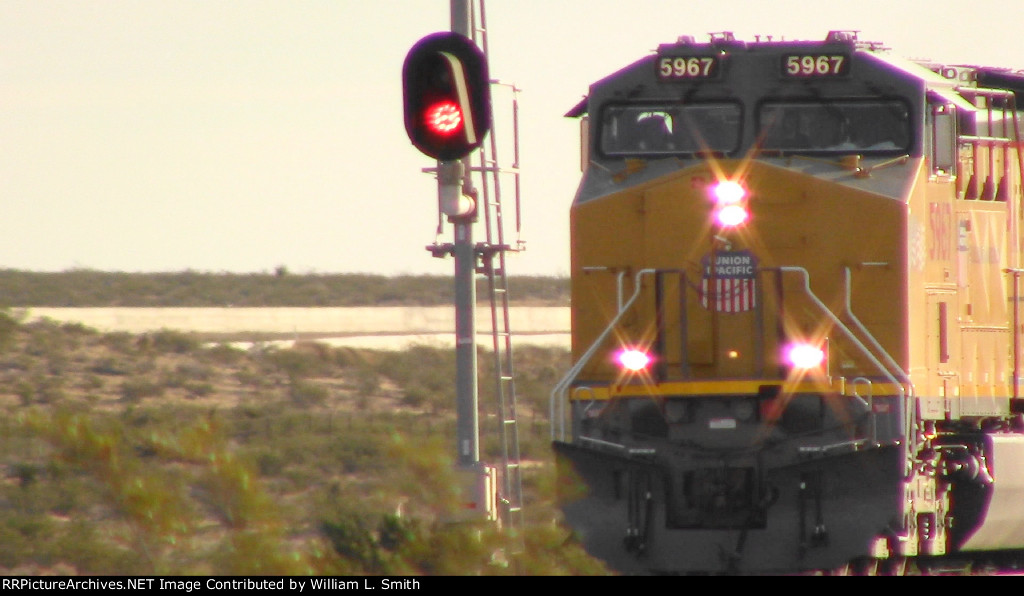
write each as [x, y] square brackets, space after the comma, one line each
[795, 316]
[723, 299]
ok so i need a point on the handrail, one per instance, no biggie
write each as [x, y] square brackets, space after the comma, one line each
[848, 307]
[869, 403]
[902, 408]
[839, 324]
[558, 393]
[987, 140]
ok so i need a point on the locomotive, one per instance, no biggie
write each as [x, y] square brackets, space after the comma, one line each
[796, 326]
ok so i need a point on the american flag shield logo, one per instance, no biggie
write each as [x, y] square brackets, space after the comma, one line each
[732, 286]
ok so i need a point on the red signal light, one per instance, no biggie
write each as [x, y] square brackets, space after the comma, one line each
[443, 118]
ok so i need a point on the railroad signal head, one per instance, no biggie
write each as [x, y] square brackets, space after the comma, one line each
[447, 96]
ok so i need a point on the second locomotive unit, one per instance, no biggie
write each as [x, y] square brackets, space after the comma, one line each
[796, 329]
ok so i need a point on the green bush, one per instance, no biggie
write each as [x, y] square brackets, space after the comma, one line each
[307, 393]
[8, 326]
[224, 354]
[136, 389]
[297, 364]
[170, 341]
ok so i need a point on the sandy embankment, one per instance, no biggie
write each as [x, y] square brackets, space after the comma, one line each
[368, 327]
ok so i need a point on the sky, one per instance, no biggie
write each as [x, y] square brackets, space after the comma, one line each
[246, 135]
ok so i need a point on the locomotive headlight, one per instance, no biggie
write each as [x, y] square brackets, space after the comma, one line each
[805, 356]
[731, 215]
[729, 192]
[730, 208]
[633, 360]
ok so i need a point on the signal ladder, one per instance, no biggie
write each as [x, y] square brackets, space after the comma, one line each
[491, 254]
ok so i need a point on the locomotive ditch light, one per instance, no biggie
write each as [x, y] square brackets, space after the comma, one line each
[633, 360]
[804, 356]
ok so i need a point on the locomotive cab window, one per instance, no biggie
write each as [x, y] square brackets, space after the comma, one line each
[851, 126]
[671, 129]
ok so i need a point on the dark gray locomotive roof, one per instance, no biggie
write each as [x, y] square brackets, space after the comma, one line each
[751, 75]
[637, 80]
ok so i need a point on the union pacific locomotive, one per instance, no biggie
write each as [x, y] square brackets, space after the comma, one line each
[796, 330]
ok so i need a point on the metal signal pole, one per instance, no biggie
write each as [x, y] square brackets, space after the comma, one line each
[447, 108]
[468, 428]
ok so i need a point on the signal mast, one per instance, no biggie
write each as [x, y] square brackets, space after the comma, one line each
[447, 101]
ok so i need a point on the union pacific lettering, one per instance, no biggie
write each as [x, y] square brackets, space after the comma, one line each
[740, 264]
[731, 288]
[733, 270]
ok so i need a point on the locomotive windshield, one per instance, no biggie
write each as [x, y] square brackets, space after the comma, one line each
[835, 126]
[636, 130]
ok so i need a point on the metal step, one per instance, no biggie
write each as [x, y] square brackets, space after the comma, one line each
[492, 253]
